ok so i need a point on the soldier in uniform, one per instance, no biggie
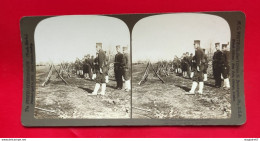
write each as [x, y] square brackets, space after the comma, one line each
[101, 71]
[91, 60]
[205, 61]
[184, 65]
[87, 66]
[217, 65]
[225, 66]
[107, 65]
[95, 67]
[118, 68]
[188, 64]
[192, 61]
[198, 73]
[126, 69]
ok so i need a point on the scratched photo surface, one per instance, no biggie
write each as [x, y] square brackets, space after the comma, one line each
[68, 67]
[177, 70]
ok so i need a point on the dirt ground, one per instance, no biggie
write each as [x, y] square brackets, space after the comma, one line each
[155, 99]
[57, 100]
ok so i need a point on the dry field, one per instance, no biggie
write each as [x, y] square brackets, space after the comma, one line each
[155, 99]
[57, 100]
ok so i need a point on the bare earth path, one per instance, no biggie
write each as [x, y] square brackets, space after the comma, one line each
[155, 99]
[57, 100]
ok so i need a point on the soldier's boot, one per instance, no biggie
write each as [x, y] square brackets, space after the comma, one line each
[193, 87]
[97, 86]
[224, 83]
[103, 89]
[127, 85]
[107, 80]
[205, 77]
[94, 76]
[191, 74]
[227, 84]
[201, 85]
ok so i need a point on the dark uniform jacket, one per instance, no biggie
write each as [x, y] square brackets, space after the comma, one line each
[205, 60]
[91, 62]
[225, 59]
[118, 61]
[95, 65]
[126, 61]
[199, 55]
[217, 59]
[102, 60]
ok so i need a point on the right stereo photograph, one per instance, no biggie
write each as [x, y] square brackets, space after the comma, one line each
[180, 67]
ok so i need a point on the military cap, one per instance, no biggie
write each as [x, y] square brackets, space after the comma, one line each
[217, 43]
[125, 47]
[196, 42]
[99, 44]
[224, 45]
[118, 46]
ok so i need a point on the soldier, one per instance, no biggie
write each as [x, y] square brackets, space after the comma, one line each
[192, 64]
[118, 68]
[92, 64]
[205, 61]
[198, 73]
[126, 69]
[106, 64]
[95, 67]
[188, 62]
[225, 66]
[101, 71]
[217, 65]
[184, 65]
[87, 66]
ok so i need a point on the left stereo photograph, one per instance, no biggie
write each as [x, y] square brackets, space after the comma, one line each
[76, 58]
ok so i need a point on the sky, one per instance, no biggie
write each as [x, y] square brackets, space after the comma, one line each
[161, 37]
[64, 38]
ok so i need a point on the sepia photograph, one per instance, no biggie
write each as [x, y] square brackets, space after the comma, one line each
[180, 67]
[82, 68]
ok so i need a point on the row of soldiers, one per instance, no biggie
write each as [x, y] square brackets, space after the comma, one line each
[97, 68]
[187, 65]
[199, 64]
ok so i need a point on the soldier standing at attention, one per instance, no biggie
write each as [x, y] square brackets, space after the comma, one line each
[188, 64]
[101, 71]
[118, 69]
[192, 64]
[107, 66]
[225, 66]
[95, 67]
[87, 66]
[205, 61]
[198, 74]
[217, 65]
[126, 69]
[91, 60]
[183, 65]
